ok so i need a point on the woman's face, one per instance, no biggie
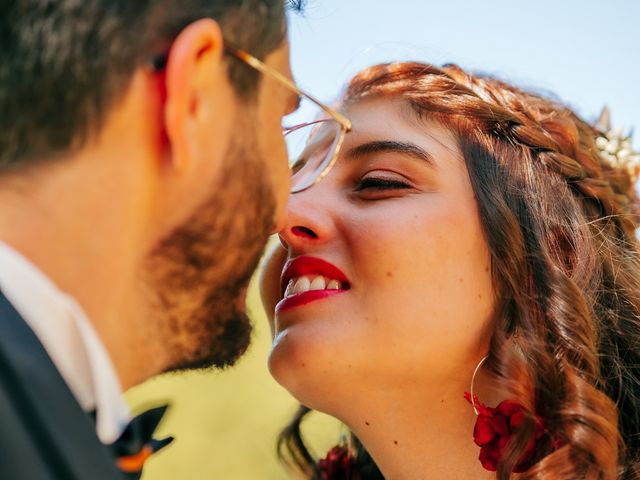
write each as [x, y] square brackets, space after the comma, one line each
[392, 239]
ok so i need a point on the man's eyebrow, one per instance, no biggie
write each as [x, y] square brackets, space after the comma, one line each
[391, 146]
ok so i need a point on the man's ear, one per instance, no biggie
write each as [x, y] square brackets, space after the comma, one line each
[198, 50]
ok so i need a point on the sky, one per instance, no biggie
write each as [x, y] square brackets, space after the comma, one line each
[585, 52]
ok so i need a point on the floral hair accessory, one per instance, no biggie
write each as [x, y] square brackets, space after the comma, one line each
[615, 148]
[495, 426]
[337, 465]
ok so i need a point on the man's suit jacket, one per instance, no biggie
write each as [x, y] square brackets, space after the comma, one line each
[44, 433]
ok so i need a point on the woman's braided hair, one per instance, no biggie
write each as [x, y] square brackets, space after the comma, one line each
[560, 223]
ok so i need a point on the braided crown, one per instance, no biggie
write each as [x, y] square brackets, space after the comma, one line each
[562, 142]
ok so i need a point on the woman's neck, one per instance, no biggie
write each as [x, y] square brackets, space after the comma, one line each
[415, 435]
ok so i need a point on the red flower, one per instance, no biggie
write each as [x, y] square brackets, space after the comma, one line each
[494, 428]
[337, 465]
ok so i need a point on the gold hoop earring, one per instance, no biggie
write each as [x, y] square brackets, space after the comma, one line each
[473, 380]
[495, 426]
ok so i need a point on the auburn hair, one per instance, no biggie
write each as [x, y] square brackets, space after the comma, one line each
[560, 225]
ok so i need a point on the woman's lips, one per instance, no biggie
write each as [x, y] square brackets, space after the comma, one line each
[307, 279]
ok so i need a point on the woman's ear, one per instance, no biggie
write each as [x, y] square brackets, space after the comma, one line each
[196, 54]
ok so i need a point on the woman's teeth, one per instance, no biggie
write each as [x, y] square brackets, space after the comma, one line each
[309, 283]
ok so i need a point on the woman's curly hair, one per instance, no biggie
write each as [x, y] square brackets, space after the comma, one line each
[560, 225]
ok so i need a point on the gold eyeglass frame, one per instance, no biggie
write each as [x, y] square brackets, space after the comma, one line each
[344, 122]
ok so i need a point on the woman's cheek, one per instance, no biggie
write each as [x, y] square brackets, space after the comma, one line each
[270, 280]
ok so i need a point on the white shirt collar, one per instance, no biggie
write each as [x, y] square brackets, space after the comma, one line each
[70, 340]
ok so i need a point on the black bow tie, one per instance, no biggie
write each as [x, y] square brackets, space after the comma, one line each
[136, 444]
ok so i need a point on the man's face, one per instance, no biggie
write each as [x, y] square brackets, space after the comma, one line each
[200, 272]
[275, 103]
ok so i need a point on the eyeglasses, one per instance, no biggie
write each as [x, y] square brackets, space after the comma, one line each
[314, 145]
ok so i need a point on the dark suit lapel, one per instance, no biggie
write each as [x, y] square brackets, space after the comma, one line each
[63, 432]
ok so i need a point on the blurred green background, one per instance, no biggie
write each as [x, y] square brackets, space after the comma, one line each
[226, 422]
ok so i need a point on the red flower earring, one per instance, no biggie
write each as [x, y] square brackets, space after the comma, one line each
[337, 465]
[495, 427]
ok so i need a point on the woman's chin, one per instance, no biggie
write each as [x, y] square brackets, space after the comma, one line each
[290, 370]
[314, 384]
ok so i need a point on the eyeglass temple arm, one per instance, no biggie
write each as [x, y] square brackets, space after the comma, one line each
[261, 67]
[159, 62]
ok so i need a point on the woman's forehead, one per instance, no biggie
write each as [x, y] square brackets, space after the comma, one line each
[392, 118]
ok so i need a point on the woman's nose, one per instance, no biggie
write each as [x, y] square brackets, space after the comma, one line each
[308, 221]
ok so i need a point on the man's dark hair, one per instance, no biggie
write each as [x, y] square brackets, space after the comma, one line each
[64, 63]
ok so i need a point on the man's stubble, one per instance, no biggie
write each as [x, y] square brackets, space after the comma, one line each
[200, 272]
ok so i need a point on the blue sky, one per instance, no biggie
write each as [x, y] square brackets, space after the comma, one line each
[587, 52]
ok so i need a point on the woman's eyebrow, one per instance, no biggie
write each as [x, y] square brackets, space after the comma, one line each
[391, 146]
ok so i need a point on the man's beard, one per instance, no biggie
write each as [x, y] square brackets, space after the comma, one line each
[200, 272]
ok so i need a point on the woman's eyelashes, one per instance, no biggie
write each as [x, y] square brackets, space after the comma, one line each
[380, 184]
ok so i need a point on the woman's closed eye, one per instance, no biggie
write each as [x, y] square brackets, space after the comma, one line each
[381, 183]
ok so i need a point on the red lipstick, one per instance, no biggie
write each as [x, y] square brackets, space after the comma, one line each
[309, 266]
